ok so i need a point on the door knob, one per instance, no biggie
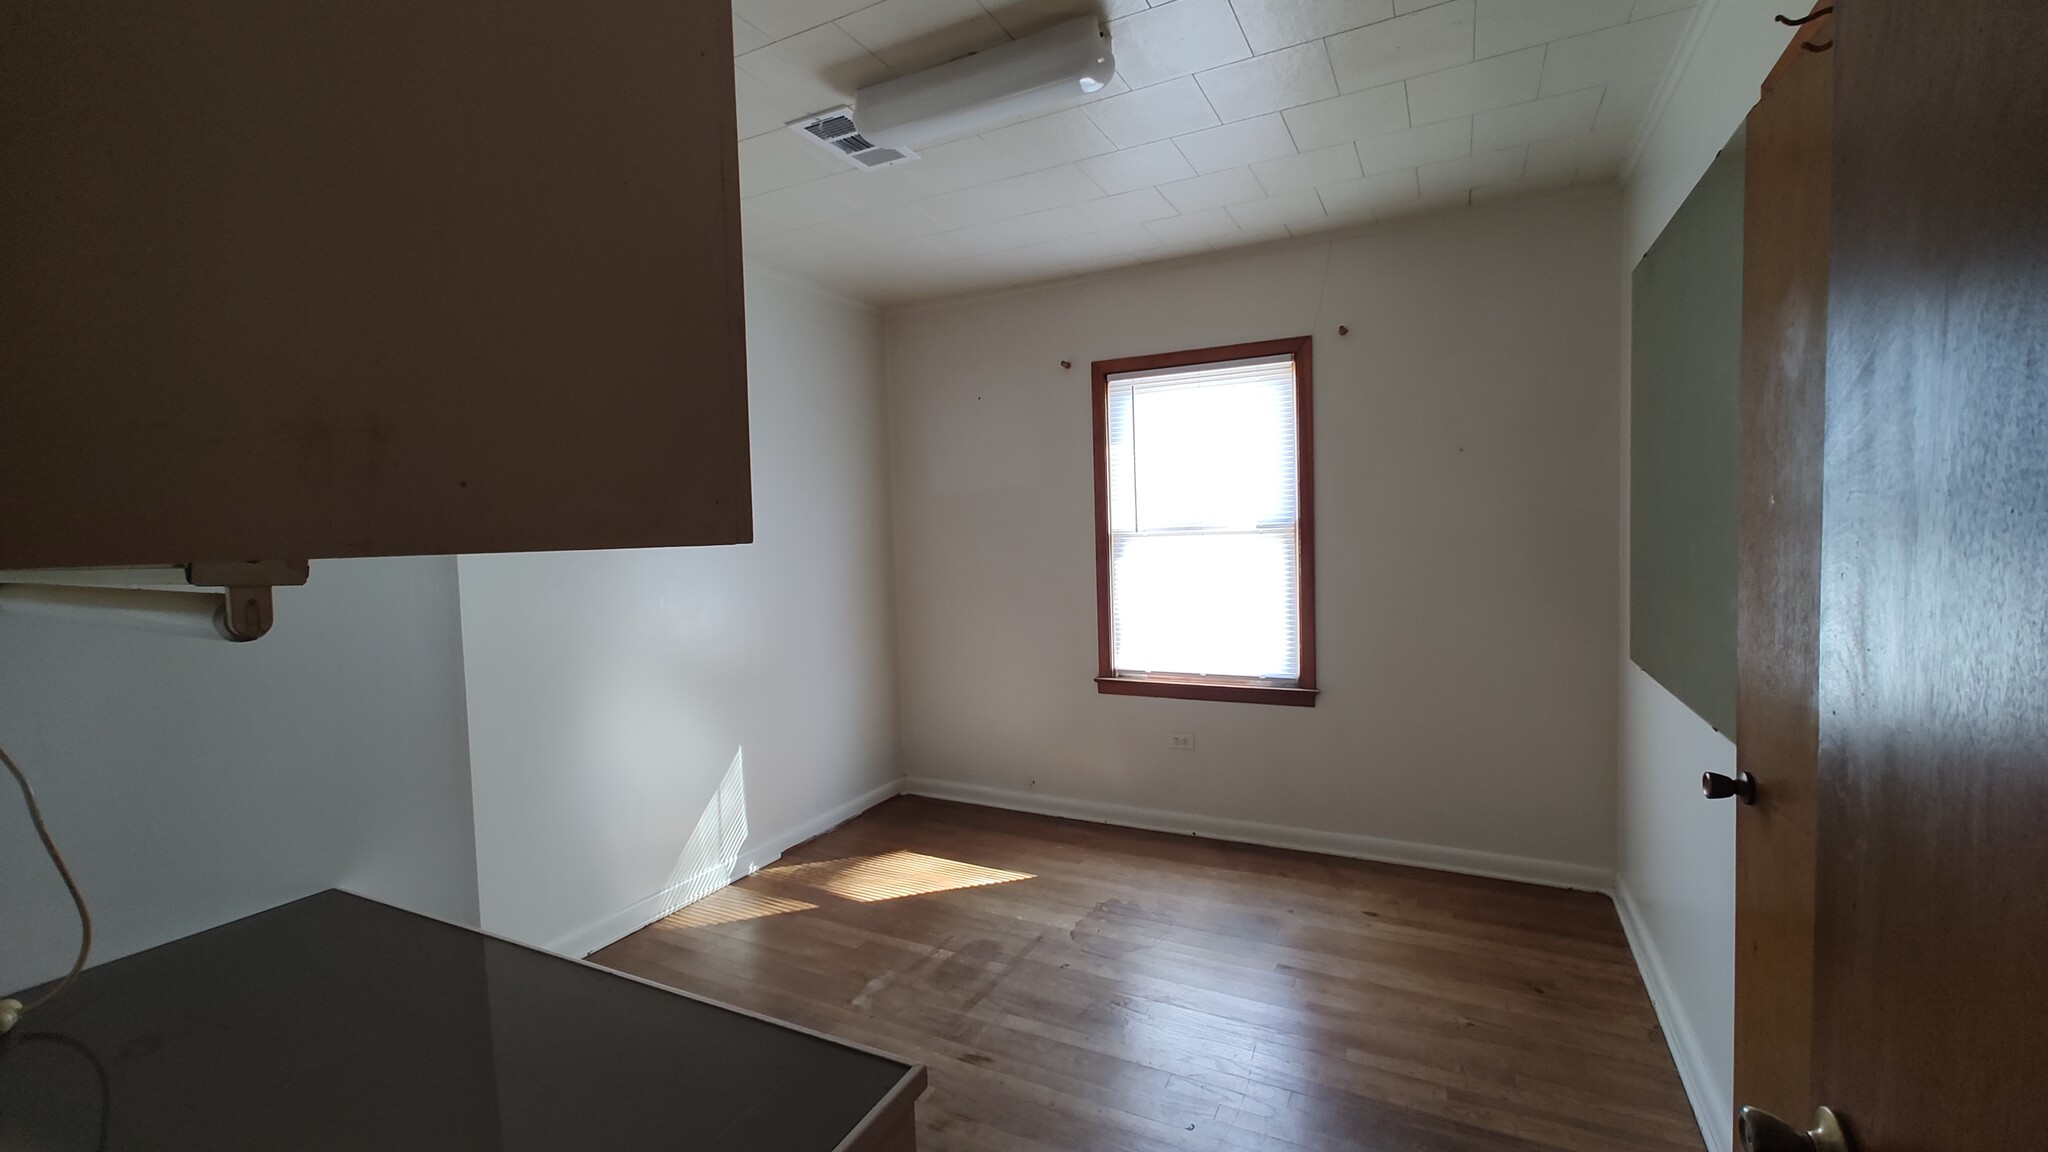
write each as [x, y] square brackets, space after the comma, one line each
[1763, 1132]
[1718, 787]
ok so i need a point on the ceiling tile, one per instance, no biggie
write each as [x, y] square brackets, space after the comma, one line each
[759, 108]
[798, 206]
[1139, 167]
[1627, 100]
[1147, 114]
[1234, 145]
[1232, 186]
[1373, 112]
[1023, 17]
[1176, 39]
[1416, 146]
[1332, 165]
[1447, 176]
[1017, 195]
[1536, 120]
[1422, 205]
[943, 168]
[1192, 245]
[1207, 225]
[1603, 149]
[1126, 208]
[746, 37]
[1130, 238]
[1645, 9]
[1612, 53]
[911, 35]
[1046, 260]
[1361, 197]
[830, 238]
[782, 18]
[1283, 79]
[1485, 193]
[814, 70]
[1405, 46]
[1060, 138]
[894, 224]
[779, 159]
[1257, 236]
[1461, 91]
[1404, 7]
[1277, 211]
[1270, 24]
[1505, 25]
[1015, 232]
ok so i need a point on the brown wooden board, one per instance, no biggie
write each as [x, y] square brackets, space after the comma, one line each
[369, 278]
[1931, 1013]
[1784, 345]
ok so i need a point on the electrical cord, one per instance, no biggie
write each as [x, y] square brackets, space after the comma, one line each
[18, 1040]
[11, 1011]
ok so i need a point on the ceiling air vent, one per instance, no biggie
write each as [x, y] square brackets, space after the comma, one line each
[835, 130]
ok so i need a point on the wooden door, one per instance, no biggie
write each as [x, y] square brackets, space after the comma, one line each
[1927, 553]
[1784, 345]
[1931, 933]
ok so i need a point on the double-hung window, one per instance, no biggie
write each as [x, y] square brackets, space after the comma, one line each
[1204, 549]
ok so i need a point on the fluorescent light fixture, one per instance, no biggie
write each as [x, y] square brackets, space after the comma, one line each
[978, 92]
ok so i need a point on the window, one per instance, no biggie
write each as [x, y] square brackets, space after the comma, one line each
[1204, 537]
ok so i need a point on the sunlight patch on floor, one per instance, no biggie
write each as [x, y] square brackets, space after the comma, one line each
[891, 876]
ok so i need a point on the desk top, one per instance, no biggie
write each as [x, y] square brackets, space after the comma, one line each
[336, 1022]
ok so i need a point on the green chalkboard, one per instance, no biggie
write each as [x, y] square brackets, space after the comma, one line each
[1684, 440]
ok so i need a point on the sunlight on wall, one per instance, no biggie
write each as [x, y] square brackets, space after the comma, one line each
[892, 875]
[713, 849]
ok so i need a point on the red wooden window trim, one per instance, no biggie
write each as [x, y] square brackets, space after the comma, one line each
[1303, 693]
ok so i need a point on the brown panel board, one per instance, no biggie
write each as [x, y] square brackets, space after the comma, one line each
[368, 278]
[1784, 352]
[1931, 1014]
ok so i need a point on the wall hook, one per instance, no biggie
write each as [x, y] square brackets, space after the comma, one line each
[1816, 14]
[1343, 331]
[1066, 364]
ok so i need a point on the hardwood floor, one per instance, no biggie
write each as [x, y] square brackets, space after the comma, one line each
[1075, 987]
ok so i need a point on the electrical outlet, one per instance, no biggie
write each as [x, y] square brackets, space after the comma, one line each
[1181, 741]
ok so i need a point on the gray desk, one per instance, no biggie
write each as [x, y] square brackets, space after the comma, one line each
[337, 1023]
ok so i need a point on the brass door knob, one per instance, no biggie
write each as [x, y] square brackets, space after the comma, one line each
[1763, 1132]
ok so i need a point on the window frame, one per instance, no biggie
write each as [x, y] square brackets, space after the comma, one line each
[1303, 692]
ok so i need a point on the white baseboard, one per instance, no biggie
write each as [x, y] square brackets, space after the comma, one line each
[758, 854]
[1710, 1106]
[1526, 869]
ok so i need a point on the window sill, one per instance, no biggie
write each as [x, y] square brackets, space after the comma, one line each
[1199, 690]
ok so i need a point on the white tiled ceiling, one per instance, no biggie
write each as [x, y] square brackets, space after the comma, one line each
[1230, 122]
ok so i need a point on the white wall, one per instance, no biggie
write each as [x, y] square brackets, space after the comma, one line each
[1675, 877]
[1727, 52]
[1675, 885]
[645, 723]
[1466, 442]
[190, 782]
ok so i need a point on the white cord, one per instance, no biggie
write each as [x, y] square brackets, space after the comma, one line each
[11, 1011]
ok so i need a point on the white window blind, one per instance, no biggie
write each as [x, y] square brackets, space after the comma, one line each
[1204, 521]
